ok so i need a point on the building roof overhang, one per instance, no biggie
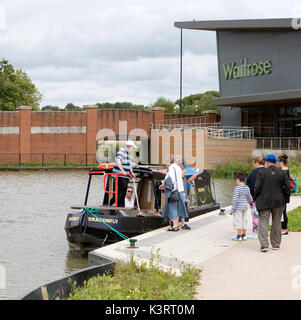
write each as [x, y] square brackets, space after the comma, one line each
[231, 25]
[284, 96]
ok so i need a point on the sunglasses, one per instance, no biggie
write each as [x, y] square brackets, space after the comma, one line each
[130, 191]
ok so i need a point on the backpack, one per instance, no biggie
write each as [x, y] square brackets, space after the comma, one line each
[293, 185]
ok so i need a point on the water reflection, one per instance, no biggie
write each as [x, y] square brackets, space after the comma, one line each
[34, 205]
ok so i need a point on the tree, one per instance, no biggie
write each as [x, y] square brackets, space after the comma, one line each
[202, 100]
[72, 107]
[16, 89]
[120, 105]
[50, 108]
[168, 105]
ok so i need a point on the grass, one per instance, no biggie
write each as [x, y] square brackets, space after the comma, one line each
[294, 219]
[144, 281]
[230, 169]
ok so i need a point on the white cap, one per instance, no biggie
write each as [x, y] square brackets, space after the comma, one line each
[131, 143]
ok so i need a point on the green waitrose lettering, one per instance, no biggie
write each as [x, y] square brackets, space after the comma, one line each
[234, 71]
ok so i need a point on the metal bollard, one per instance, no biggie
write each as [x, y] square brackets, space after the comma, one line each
[132, 243]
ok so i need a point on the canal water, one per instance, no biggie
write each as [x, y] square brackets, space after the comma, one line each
[34, 205]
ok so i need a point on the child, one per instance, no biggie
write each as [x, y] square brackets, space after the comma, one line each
[239, 210]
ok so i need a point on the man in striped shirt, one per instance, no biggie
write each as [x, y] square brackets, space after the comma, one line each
[123, 165]
[241, 198]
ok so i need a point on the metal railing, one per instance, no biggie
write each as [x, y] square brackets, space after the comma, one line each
[185, 120]
[47, 159]
[230, 132]
[214, 130]
[278, 143]
[171, 126]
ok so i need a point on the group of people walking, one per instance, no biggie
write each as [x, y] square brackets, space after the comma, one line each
[266, 191]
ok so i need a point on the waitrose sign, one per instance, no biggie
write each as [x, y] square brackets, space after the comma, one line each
[233, 70]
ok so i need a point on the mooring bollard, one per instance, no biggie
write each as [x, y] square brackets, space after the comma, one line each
[222, 212]
[132, 243]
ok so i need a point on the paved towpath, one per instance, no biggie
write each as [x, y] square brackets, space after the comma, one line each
[231, 270]
[243, 272]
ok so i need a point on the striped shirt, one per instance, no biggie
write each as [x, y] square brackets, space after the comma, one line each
[240, 198]
[125, 159]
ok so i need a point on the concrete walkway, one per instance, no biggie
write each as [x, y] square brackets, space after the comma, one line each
[243, 272]
[231, 270]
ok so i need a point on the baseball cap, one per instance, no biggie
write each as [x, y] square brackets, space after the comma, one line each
[131, 143]
[271, 158]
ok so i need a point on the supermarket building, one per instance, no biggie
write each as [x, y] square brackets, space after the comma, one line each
[259, 70]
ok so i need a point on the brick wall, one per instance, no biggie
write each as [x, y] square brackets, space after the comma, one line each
[27, 136]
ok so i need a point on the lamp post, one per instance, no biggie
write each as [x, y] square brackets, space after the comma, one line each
[195, 109]
[181, 70]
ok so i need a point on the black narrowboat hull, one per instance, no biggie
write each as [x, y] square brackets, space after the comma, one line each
[86, 233]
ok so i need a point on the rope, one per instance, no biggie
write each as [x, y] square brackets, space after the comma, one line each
[93, 210]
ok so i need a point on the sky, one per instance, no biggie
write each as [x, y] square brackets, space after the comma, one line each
[89, 51]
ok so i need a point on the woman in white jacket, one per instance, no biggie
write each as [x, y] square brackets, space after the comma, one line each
[173, 183]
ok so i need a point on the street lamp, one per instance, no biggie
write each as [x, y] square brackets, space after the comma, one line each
[195, 109]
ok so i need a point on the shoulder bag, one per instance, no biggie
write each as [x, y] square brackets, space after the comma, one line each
[174, 196]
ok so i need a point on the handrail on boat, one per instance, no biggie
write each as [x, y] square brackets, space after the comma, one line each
[115, 192]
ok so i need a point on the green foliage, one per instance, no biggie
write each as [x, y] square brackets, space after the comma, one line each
[120, 105]
[203, 101]
[161, 102]
[16, 89]
[143, 281]
[50, 108]
[230, 169]
[295, 168]
[72, 107]
[294, 220]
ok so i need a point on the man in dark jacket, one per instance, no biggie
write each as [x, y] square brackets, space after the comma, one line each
[271, 188]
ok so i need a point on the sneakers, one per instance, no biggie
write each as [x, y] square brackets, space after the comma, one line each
[244, 238]
[237, 238]
[276, 248]
[262, 249]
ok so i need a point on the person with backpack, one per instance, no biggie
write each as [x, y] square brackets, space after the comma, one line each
[271, 190]
[283, 165]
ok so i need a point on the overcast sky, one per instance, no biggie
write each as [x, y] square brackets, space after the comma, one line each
[88, 51]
